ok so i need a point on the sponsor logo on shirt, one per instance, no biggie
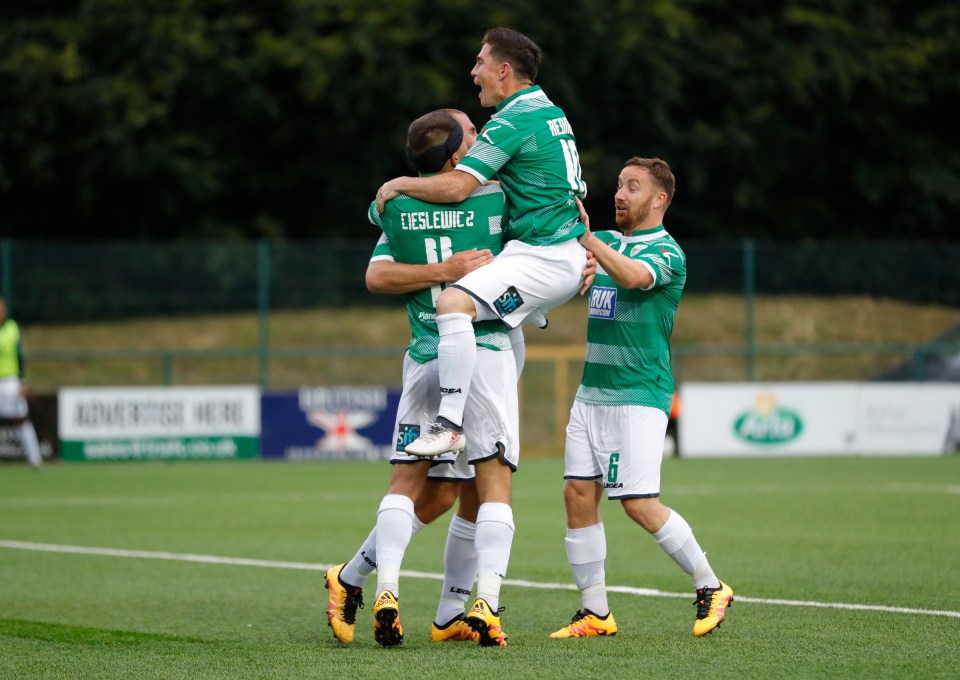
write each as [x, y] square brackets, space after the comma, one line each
[603, 302]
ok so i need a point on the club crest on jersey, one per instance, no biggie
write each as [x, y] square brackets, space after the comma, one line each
[406, 433]
[603, 302]
[509, 301]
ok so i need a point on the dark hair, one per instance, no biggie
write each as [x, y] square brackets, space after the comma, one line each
[513, 47]
[432, 139]
[660, 172]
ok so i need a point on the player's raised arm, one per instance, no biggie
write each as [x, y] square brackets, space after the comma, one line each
[626, 272]
[448, 187]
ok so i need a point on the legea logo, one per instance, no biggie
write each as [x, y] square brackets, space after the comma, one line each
[767, 423]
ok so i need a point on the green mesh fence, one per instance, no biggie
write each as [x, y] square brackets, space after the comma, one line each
[63, 281]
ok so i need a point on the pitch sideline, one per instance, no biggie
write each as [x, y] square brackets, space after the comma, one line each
[307, 566]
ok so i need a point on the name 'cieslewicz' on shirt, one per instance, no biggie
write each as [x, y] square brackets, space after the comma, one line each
[437, 219]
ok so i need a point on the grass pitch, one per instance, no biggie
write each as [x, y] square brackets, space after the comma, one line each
[842, 567]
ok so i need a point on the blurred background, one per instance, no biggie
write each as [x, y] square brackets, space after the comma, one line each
[240, 119]
[183, 186]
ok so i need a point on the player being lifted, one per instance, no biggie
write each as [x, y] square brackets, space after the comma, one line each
[529, 146]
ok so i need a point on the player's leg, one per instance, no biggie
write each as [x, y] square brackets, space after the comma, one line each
[457, 358]
[14, 407]
[396, 518]
[493, 428]
[585, 542]
[519, 344]
[457, 352]
[494, 540]
[638, 471]
[346, 581]
[521, 284]
[31, 445]
[459, 563]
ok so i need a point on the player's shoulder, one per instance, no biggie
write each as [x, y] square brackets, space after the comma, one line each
[667, 241]
[490, 189]
[373, 215]
[608, 235]
[396, 206]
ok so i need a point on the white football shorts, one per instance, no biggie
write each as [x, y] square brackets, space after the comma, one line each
[491, 416]
[620, 447]
[13, 405]
[523, 279]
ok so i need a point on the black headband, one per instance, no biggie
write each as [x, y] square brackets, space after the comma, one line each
[433, 158]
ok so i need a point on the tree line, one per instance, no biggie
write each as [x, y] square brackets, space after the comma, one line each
[278, 119]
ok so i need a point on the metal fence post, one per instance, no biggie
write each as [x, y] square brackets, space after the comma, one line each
[920, 364]
[749, 289]
[263, 309]
[166, 363]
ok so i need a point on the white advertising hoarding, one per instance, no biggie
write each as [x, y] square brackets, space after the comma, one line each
[158, 422]
[829, 418]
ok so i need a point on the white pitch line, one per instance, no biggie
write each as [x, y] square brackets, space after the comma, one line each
[308, 566]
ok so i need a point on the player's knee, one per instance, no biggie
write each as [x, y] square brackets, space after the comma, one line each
[579, 496]
[455, 301]
[649, 513]
[434, 501]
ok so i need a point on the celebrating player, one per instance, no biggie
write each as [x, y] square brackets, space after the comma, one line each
[529, 146]
[419, 240]
[618, 421]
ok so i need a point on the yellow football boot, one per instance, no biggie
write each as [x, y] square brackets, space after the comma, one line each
[712, 606]
[386, 620]
[456, 629]
[344, 601]
[587, 624]
[486, 623]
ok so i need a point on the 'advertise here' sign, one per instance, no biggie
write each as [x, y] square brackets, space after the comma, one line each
[159, 423]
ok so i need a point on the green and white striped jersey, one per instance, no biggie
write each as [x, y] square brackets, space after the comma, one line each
[628, 332]
[417, 232]
[529, 146]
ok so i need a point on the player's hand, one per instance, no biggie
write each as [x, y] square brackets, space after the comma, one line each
[462, 263]
[386, 192]
[585, 218]
[589, 272]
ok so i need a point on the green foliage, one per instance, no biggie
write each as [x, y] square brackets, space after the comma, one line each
[207, 118]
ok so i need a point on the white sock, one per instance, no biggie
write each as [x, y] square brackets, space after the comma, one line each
[459, 569]
[519, 348]
[395, 520]
[457, 355]
[364, 563]
[677, 540]
[494, 539]
[586, 553]
[28, 436]
[356, 571]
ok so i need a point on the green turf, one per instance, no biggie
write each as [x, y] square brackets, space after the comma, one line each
[867, 531]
